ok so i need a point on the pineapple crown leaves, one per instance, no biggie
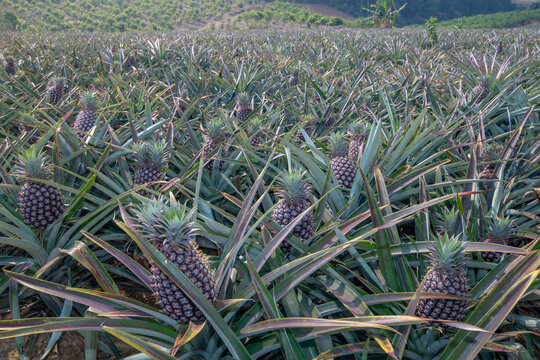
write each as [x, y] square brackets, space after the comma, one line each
[493, 151]
[255, 125]
[57, 82]
[33, 164]
[487, 81]
[359, 130]
[308, 121]
[446, 220]
[294, 187]
[216, 130]
[447, 254]
[338, 146]
[499, 228]
[244, 100]
[89, 101]
[151, 154]
[166, 220]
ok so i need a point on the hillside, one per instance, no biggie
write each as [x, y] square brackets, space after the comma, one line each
[166, 15]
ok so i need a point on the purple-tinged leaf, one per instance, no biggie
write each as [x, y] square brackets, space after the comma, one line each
[86, 258]
[140, 272]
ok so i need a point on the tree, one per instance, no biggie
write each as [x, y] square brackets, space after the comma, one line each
[10, 20]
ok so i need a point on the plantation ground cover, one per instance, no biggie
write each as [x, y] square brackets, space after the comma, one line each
[321, 169]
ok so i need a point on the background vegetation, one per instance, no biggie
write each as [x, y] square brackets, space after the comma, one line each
[162, 15]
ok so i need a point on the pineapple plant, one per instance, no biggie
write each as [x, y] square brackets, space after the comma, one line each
[40, 204]
[293, 194]
[9, 67]
[55, 90]
[169, 226]
[215, 136]
[358, 131]
[243, 106]
[343, 167]
[151, 160]
[446, 275]
[294, 79]
[498, 232]
[88, 115]
[254, 132]
[493, 152]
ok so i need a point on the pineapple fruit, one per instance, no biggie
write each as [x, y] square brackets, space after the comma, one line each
[32, 131]
[480, 91]
[55, 91]
[358, 131]
[39, 204]
[493, 152]
[151, 159]
[329, 122]
[293, 194]
[254, 130]
[308, 124]
[214, 137]
[344, 168]
[168, 225]
[243, 106]
[294, 79]
[9, 67]
[446, 275]
[88, 115]
[498, 233]
[180, 105]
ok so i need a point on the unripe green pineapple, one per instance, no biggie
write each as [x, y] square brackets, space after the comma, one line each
[39, 204]
[9, 68]
[254, 131]
[358, 131]
[446, 275]
[293, 194]
[55, 90]
[243, 106]
[151, 160]
[493, 152]
[169, 227]
[498, 232]
[88, 115]
[214, 137]
[344, 168]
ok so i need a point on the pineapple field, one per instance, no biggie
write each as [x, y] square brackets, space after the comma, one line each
[271, 194]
